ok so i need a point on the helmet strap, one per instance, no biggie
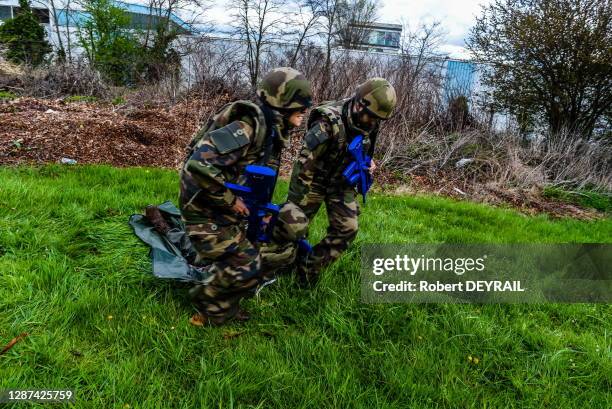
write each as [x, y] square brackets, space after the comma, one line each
[353, 117]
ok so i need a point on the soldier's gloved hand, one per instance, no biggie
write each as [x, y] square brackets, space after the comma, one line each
[240, 208]
[372, 167]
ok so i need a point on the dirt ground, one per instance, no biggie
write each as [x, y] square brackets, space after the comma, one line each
[42, 130]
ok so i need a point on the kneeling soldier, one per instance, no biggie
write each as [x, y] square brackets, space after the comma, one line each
[241, 133]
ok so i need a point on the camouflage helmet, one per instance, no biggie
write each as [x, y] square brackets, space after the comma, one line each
[378, 97]
[291, 225]
[285, 88]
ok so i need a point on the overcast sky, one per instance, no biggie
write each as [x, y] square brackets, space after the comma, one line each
[456, 17]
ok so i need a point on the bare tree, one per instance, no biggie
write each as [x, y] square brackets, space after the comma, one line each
[306, 24]
[215, 67]
[257, 23]
[162, 13]
[166, 21]
[336, 17]
[68, 16]
[421, 61]
[353, 20]
[329, 13]
[421, 46]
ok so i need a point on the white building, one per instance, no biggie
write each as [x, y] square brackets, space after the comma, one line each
[64, 21]
[381, 37]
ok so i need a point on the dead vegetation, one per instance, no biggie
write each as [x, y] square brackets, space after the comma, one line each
[41, 131]
[431, 145]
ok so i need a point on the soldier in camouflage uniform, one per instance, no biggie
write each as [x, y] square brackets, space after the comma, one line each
[241, 133]
[317, 173]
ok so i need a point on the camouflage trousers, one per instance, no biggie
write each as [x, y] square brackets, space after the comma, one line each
[342, 213]
[235, 265]
[291, 226]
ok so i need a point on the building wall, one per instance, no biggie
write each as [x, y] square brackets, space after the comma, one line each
[11, 8]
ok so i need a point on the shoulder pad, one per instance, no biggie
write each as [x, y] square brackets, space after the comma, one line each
[233, 111]
[316, 136]
[330, 112]
[232, 136]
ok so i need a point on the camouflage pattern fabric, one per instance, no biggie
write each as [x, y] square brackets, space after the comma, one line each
[323, 156]
[317, 178]
[291, 226]
[285, 88]
[238, 135]
[234, 138]
[342, 214]
[235, 268]
[378, 96]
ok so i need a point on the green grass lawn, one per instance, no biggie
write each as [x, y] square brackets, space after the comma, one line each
[76, 279]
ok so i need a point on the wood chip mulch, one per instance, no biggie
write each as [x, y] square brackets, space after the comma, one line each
[39, 131]
[42, 131]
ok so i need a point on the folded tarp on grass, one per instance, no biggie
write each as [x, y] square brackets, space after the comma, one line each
[170, 252]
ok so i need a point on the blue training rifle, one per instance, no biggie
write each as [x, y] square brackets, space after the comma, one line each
[357, 173]
[257, 195]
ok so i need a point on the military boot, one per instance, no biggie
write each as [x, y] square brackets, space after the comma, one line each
[307, 275]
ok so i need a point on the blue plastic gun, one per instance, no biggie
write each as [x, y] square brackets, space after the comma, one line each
[357, 173]
[257, 195]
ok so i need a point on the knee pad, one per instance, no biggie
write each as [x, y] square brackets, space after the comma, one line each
[292, 223]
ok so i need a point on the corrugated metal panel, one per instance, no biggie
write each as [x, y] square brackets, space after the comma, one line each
[459, 78]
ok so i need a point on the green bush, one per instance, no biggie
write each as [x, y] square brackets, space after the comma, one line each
[24, 37]
[118, 101]
[109, 45]
[7, 95]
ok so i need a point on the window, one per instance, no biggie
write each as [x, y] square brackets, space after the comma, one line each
[384, 38]
[41, 14]
[5, 12]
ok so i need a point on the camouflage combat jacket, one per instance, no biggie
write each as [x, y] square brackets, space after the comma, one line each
[323, 156]
[235, 137]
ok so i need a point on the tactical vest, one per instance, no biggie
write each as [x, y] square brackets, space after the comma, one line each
[338, 157]
[331, 112]
[226, 136]
[228, 114]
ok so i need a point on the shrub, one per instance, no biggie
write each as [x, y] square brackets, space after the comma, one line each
[64, 79]
[24, 37]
